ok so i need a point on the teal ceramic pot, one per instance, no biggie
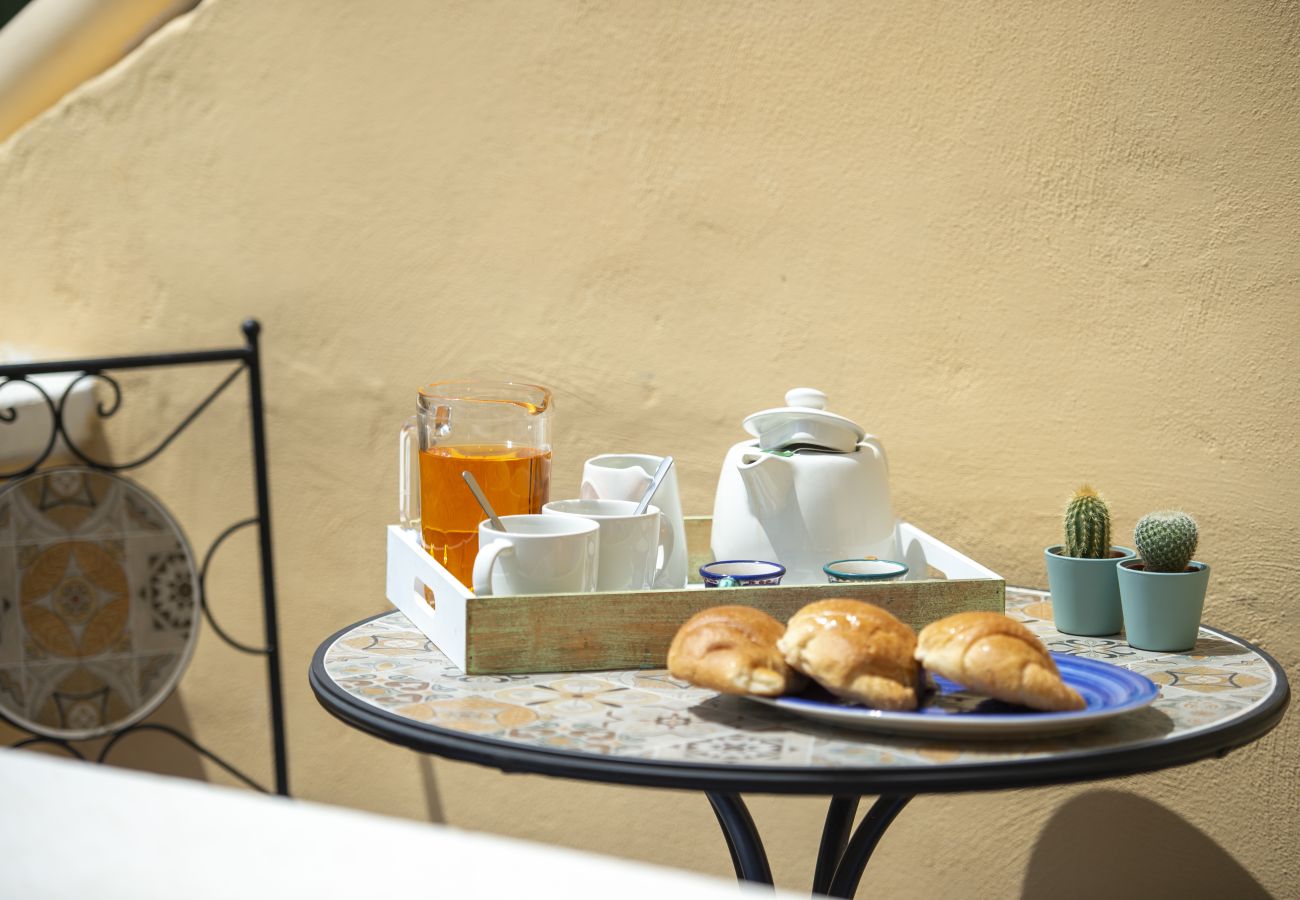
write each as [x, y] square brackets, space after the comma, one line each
[1085, 592]
[1162, 610]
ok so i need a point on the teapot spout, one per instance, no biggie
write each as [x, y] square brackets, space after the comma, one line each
[768, 480]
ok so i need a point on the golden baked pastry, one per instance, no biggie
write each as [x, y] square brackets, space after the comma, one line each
[855, 650]
[732, 649]
[992, 654]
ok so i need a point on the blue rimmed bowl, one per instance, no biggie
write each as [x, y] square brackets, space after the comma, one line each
[741, 573]
[859, 570]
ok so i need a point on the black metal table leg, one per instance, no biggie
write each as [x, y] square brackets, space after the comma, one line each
[835, 837]
[872, 828]
[747, 853]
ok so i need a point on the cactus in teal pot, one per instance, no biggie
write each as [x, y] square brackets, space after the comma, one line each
[1166, 541]
[1087, 525]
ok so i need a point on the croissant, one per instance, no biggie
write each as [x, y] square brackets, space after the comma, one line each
[855, 650]
[732, 649]
[992, 654]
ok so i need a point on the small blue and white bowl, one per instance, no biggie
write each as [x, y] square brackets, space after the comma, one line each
[864, 570]
[741, 573]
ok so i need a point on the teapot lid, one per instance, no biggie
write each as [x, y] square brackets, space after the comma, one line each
[804, 422]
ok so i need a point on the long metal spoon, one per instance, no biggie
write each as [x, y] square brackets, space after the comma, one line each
[655, 481]
[482, 500]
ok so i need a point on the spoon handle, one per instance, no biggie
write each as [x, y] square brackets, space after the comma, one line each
[660, 474]
[482, 500]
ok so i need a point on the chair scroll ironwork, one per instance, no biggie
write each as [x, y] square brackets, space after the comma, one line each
[247, 361]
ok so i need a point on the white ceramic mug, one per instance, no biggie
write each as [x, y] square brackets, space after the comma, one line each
[625, 476]
[630, 545]
[537, 554]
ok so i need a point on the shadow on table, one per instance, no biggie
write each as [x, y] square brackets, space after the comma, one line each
[1123, 847]
[1210, 647]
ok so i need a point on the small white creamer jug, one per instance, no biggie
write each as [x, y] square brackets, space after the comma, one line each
[625, 476]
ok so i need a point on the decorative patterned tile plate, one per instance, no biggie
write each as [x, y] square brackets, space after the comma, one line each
[98, 603]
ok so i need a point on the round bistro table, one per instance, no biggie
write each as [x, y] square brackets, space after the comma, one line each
[642, 727]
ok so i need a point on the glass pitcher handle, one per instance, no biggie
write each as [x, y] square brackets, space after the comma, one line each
[408, 481]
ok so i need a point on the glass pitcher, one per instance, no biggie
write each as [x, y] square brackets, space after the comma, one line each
[498, 431]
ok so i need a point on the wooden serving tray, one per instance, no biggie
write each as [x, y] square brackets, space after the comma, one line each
[632, 630]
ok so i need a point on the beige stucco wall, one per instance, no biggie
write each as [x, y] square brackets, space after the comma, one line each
[1027, 244]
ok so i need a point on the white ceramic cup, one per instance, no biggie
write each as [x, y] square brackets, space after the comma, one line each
[625, 476]
[629, 544]
[537, 554]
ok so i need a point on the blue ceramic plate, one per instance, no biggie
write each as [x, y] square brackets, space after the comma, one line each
[953, 712]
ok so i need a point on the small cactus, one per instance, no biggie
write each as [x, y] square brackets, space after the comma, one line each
[1166, 541]
[1087, 525]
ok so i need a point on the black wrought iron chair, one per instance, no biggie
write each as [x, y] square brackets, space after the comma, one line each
[100, 589]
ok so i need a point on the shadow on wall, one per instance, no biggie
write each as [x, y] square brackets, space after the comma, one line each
[146, 751]
[432, 796]
[150, 751]
[1134, 849]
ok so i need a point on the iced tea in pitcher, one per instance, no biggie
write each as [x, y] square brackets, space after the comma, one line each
[497, 431]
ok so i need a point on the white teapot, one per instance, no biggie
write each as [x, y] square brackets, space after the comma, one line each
[810, 488]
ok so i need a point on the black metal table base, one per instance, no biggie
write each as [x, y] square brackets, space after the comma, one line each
[841, 859]
[747, 854]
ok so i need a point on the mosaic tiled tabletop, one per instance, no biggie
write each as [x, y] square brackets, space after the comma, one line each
[645, 714]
